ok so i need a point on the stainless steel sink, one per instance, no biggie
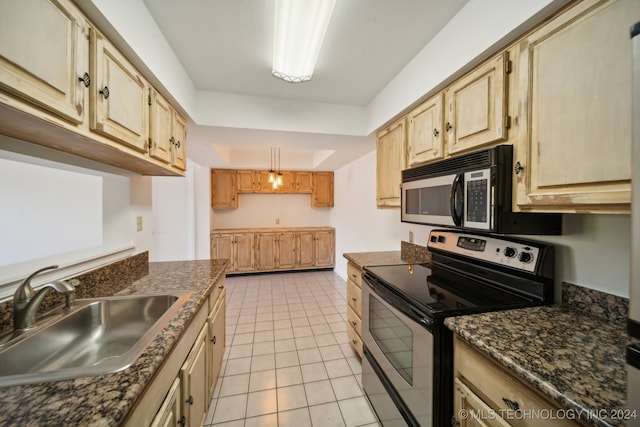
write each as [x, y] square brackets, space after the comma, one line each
[95, 337]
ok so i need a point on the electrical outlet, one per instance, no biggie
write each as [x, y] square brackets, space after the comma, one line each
[277, 220]
[410, 236]
[139, 223]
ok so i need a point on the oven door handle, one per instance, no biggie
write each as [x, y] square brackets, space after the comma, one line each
[455, 203]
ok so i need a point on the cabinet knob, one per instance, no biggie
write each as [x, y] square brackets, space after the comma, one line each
[518, 168]
[354, 323]
[511, 404]
[105, 92]
[436, 133]
[213, 340]
[354, 341]
[354, 299]
[85, 79]
[177, 144]
[190, 400]
[448, 127]
[183, 421]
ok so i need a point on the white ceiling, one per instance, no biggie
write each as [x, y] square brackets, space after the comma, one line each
[226, 46]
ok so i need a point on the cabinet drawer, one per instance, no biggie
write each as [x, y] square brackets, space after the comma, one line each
[354, 320]
[354, 294]
[499, 390]
[354, 339]
[354, 274]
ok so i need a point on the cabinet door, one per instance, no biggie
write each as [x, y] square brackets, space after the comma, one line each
[425, 139]
[160, 132]
[306, 249]
[477, 107]
[325, 248]
[288, 185]
[179, 143]
[304, 182]
[479, 414]
[170, 413]
[265, 251]
[222, 247]
[287, 250]
[264, 186]
[244, 258]
[574, 140]
[193, 378]
[215, 343]
[44, 53]
[223, 189]
[322, 196]
[246, 181]
[119, 97]
[390, 155]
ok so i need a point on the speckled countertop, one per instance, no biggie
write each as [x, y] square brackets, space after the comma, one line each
[105, 400]
[409, 253]
[575, 359]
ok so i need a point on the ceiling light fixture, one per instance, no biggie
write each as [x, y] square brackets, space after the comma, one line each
[300, 26]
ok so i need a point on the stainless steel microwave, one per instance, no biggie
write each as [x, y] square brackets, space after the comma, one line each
[472, 192]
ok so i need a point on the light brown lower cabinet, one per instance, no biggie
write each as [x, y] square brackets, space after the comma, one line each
[265, 249]
[485, 394]
[354, 307]
[183, 386]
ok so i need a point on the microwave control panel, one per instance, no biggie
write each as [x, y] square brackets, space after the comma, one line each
[490, 249]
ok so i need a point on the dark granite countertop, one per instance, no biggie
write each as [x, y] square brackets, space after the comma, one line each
[575, 359]
[409, 253]
[105, 400]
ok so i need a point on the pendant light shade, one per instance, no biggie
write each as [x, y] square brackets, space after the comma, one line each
[300, 27]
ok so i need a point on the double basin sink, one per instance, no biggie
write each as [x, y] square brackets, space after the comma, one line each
[94, 337]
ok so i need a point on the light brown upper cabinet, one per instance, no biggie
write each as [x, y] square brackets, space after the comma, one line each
[44, 55]
[477, 106]
[223, 189]
[390, 154]
[322, 195]
[161, 130]
[248, 180]
[303, 181]
[425, 141]
[178, 141]
[574, 138]
[119, 96]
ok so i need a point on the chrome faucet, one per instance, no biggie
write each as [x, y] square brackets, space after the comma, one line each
[26, 300]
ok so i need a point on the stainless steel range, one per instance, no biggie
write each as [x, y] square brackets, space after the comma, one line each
[408, 353]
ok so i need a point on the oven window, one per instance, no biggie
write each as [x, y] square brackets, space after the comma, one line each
[394, 338]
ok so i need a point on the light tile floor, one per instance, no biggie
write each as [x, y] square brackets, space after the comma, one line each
[287, 360]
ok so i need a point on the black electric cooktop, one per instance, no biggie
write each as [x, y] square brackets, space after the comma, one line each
[442, 293]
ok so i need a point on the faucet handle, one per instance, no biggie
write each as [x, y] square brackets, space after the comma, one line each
[25, 291]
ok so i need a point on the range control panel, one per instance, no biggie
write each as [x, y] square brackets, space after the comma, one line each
[497, 250]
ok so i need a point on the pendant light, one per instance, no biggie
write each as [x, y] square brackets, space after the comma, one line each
[272, 174]
[279, 176]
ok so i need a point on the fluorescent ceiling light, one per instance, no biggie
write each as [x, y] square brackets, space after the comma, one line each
[300, 26]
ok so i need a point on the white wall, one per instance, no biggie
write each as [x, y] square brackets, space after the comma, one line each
[262, 210]
[593, 250]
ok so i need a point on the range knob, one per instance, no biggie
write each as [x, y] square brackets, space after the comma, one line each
[510, 252]
[525, 257]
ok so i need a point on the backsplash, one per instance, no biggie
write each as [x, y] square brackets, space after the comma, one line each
[414, 254]
[101, 282]
[600, 304]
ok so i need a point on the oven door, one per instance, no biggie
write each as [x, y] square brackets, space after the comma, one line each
[401, 342]
[433, 200]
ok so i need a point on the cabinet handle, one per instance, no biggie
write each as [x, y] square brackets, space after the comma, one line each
[183, 421]
[177, 144]
[454, 422]
[220, 287]
[213, 340]
[104, 92]
[436, 133]
[354, 341]
[448, 127]
[172, 141]
[85, 79]
[354, 323]
[511, 404]
[518, 168]
[190, 400]
[354, 299]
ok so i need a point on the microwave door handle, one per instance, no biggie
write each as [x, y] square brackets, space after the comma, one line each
[453, 200]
